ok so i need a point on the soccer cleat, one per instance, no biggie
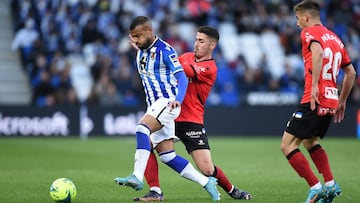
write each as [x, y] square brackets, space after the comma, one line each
[332, 192]
[130, 181]
[151, 196]
[315, 195]
[210, 187]
[240, 194]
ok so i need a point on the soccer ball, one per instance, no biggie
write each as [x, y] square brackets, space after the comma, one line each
[63, 190]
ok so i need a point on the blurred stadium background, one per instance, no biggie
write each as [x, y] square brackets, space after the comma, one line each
[67, 68]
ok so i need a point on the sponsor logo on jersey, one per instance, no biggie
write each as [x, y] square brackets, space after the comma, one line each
[194, 134]
[174, 59]
[331, 93]
[324, 111]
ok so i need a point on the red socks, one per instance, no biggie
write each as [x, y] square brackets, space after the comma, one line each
[152, 171]
[301, 165]
[320, 158]
[223, 181]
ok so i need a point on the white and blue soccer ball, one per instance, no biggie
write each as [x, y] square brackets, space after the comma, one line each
[63, 190]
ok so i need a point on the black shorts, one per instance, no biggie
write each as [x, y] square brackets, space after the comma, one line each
[305, 123]
[192, 135]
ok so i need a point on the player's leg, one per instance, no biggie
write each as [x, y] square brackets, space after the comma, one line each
[302, 126]
[290, 148]
[152, 179]
[193, 136]
[320, 158]
[147, 125]
[321, 161]
[202, 159]
[182, 166]
[152, 173]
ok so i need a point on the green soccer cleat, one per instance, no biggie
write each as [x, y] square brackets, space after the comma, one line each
[210, 187]
[130, 181]
[315, 195]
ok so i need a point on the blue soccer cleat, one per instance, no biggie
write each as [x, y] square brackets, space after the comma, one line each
[331, 193]
[210, 187]
[130, 181]
[315, 195]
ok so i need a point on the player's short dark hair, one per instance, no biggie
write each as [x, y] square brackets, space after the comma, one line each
[209, 31]
[312, 6]
[139, 20]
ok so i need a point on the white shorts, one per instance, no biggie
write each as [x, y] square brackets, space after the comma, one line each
[161, 111]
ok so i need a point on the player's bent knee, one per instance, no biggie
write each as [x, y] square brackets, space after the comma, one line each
[206, 168]
[142, 128]
[165, 157]
[283, 148]
[207, 171]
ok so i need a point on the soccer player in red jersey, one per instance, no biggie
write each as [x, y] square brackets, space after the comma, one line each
[324, 55]
[201, 70]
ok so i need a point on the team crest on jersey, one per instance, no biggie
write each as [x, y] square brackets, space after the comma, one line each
[174, 59]
[298, 114]
[152, 55]
[201, 69]
[308, 37]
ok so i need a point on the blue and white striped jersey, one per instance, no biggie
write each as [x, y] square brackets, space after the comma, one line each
[157, 66]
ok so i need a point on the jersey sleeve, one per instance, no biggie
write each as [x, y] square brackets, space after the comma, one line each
[307, 37]
[346, 58]
[171, 60]
[185, 61]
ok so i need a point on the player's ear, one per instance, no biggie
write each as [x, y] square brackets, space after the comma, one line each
[213, 44]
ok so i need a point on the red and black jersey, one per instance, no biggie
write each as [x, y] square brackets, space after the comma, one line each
[335, 57]
[202, 76]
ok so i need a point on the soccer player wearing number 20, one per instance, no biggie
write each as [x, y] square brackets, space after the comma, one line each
[324, 55]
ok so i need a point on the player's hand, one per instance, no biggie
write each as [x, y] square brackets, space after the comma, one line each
[314, 98]
[132, 43]
[174, 105]
[340, 112]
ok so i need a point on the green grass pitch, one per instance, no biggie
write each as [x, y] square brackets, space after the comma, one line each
[29, 165]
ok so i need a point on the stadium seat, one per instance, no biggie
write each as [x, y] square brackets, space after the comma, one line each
[230, 47]
[187, 31]
[251, 48]
[270, 43]
[81, 77]
[226, 29]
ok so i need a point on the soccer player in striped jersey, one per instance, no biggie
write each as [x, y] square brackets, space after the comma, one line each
[165, 85]
[201, 70]
[324, 55]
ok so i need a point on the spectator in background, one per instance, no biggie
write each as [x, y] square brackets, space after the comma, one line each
[90, 33]
[289, 81]
[44, 93]
[110, 96]
[24, 40]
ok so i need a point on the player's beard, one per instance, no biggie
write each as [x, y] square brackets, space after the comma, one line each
[146, 44]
